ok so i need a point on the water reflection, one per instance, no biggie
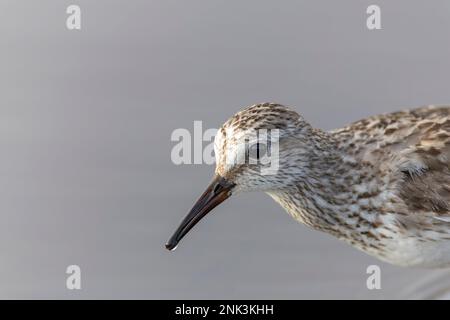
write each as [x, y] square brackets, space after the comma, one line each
[434, 286]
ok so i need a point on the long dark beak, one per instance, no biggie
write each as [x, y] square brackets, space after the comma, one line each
[218, 190]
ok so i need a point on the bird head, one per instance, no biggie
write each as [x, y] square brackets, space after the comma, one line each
[260, 148]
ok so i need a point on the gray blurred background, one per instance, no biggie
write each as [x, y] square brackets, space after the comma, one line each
[85, 124]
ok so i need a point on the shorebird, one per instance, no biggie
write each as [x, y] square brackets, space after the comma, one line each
[381, 184]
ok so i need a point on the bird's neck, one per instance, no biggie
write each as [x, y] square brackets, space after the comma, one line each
[323, 194]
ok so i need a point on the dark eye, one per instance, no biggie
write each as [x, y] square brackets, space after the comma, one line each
[257, 150]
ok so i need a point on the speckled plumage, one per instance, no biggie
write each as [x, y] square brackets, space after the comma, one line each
[382, 184]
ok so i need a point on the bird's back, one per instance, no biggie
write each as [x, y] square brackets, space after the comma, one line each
[425, 128]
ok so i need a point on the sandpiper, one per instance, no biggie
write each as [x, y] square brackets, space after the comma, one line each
[381, 184]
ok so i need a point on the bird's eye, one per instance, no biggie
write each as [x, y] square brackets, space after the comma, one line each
[257, 150]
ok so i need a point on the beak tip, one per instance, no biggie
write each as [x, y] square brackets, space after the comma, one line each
[171, 246]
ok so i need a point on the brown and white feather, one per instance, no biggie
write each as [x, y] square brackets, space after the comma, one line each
[381, 184]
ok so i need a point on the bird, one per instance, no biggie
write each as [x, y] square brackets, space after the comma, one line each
[380, 184]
